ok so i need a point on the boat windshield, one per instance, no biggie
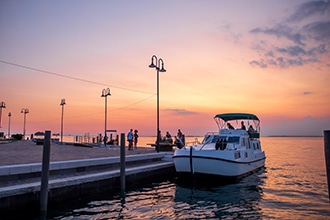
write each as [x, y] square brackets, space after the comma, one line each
[212, 139]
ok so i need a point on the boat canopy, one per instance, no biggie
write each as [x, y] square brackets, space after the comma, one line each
[236, 116]
[222, 120]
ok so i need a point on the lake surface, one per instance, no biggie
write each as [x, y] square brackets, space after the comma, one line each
[293, 185]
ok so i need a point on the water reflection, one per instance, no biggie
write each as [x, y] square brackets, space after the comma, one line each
[218, 199]
[177, 199]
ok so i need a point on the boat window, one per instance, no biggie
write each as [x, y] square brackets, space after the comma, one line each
[218, 138]
[206, 139]
[256, 146]
[245, 142]
[248, 144]
[233, 140]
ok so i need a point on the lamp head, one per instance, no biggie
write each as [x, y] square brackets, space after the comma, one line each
[152, 65]
[105, 92]
[161, 69]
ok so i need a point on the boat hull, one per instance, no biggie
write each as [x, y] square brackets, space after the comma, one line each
[216, 162]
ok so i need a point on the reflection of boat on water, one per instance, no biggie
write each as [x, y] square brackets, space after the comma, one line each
[206, 200]
[229, 152]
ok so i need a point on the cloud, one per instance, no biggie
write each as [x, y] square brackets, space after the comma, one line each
[281, 31]
[319, 31]
[306, 38]
[181, 112]
[309, 9]
[260, 63]
[307, 93]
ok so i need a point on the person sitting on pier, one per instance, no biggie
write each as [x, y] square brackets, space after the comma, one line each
[169, 137]
[230, 126]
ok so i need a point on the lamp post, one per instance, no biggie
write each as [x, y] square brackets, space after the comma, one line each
[24, 111]
[159, 68]
[2, 105]
[105, 94]
[62, 104]
[9, 115]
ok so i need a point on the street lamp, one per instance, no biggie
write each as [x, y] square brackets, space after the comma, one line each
[9, 115]
[62, 104]
[105, 94]
[24, 111]
[156, 65]
[2, 105]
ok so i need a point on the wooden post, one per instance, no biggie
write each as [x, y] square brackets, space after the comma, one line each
[122, 164]
[327, 156]
[45, 174]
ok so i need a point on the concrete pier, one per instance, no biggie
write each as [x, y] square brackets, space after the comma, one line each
[73, 177]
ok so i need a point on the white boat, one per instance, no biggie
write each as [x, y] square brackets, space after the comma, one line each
[227, 153]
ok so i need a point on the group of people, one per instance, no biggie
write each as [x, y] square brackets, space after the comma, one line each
[251, 129]
[132, 138]
[168, 137]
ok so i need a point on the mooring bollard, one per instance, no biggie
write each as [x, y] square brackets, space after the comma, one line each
[327, 156]
[122, 164]
[45, 174]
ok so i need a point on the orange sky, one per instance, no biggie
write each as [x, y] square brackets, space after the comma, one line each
[266, 58]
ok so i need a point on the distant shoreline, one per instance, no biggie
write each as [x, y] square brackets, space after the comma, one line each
[293, 136]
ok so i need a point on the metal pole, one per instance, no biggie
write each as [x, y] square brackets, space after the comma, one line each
[0, 115]
[122, 164]
[62, 124]
[9, 115]
[327, 156]
[45, 174]
[105, 120]
[24, 125]
[2, 105]
[158, 133]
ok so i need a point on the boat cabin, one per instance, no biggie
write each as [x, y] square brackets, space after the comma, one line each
[230, 140]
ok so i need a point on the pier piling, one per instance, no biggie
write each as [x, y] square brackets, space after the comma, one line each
[122, 164]
[327, 156]
[45, 174]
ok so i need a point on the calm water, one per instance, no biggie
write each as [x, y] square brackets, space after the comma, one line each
[292, 185]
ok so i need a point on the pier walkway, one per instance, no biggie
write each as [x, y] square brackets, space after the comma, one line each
[74, 171]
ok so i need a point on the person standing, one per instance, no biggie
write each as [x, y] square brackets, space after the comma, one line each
[136, 136]
[243, 126]
[130, 139]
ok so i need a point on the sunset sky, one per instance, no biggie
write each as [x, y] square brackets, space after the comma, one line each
[270, 58]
